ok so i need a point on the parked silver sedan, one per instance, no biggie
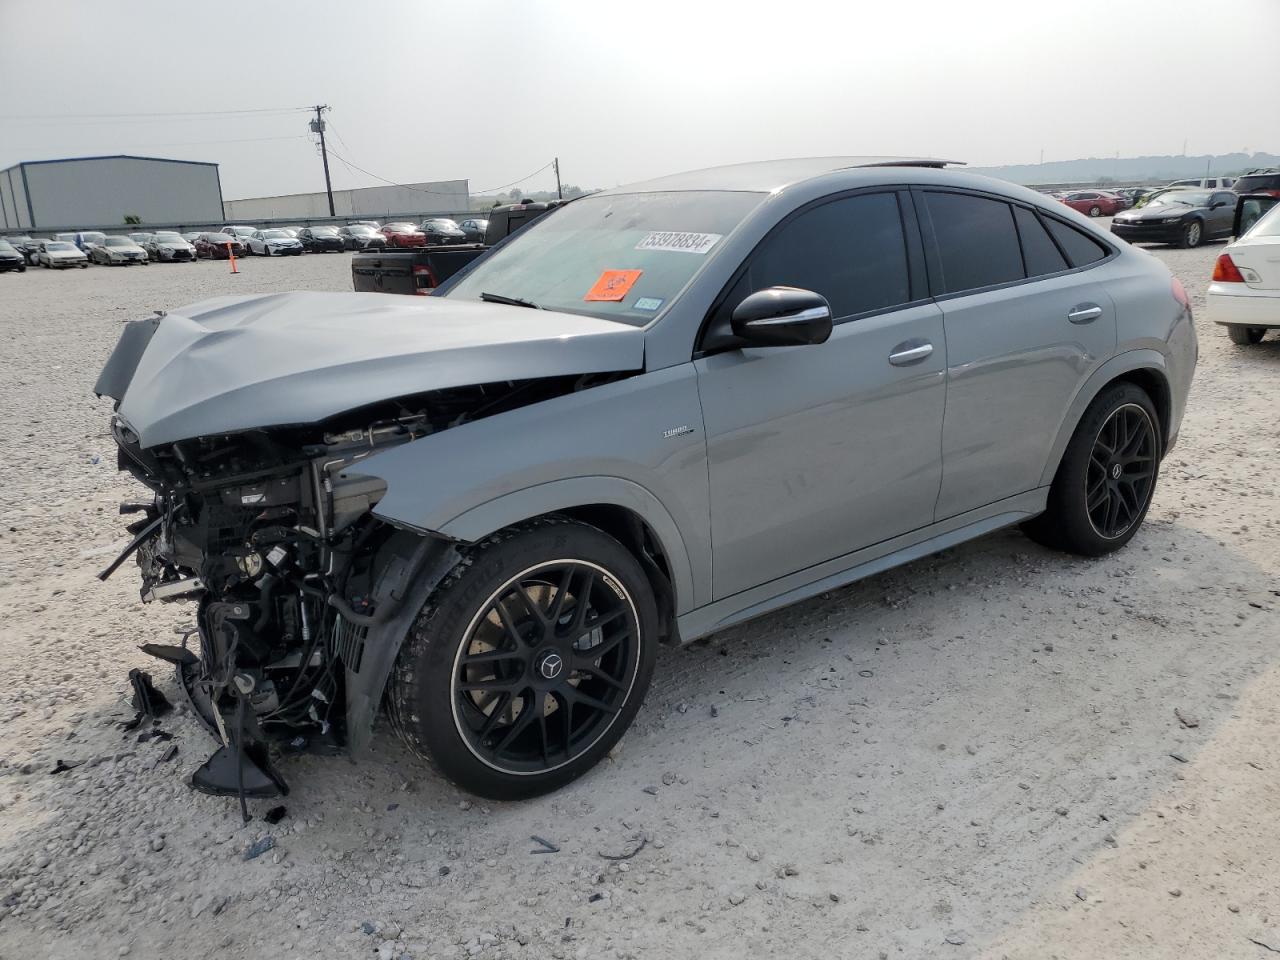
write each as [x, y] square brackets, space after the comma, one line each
[170, 246]
[117, 251]
[60, 254]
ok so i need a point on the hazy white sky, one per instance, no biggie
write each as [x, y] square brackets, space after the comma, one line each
[490, 90]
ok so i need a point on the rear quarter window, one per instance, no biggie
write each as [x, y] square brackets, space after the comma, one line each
[1080, 248]
[1041, 254]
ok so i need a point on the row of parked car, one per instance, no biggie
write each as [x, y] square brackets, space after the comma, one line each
[81, 248]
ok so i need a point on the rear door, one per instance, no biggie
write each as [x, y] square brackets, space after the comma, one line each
[816, 451]
[1026, 324]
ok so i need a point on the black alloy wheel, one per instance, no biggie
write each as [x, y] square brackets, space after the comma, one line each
[528, 661]
[1121, 473]
[1107, 476]
[545, 667]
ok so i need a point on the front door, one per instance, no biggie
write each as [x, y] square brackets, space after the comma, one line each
[816, 451]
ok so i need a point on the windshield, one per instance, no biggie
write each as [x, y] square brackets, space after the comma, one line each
[118, 242]
[361, 231]
[6, 247]
[442, 225]
[617, 257]
[59, 247]
[1182, 198]
[324, 231]
[401, 227]
[275, 235]
[167, 235]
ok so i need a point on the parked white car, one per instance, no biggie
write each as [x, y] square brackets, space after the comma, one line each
[1244, 295]
[274, 243]
[60, 254]
[116, 251]
[168, 245]
[1206, 183]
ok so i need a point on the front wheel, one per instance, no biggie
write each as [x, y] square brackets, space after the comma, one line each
[1245, 336]
[1095, 211]
[1107, 476]
[529, 662]
[1192, 234]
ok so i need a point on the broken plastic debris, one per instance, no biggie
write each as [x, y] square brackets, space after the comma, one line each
[259, 847]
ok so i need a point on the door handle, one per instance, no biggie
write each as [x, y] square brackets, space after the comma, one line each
[909, 352]
[1084, 313]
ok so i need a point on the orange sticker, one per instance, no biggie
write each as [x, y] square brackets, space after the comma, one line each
[613, 285]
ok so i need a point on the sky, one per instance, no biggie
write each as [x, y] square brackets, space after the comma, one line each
[492, 90]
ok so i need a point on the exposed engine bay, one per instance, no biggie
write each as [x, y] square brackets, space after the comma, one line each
[302, 594]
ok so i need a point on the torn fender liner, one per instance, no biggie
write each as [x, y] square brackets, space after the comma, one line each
[242, 363]
[407, 581]
[218, 774]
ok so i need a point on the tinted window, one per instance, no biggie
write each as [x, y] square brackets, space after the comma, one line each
[1079, 248]
[977, 241]
[852, 251]
[1038, 249]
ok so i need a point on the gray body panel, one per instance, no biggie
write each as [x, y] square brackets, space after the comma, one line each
[766, 475]
[238, 363]
[832, 445]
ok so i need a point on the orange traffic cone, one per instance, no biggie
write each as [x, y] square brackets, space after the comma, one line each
[232, 257]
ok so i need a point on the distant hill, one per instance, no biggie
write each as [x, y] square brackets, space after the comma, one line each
[1130, 169]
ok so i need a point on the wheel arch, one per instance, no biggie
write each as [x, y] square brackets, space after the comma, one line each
[621, 508]
[1144, 368]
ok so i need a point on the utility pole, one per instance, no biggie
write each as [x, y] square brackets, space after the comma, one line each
[317, 126]
[559, 192]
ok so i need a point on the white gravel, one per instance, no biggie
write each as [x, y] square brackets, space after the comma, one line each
[972, 756]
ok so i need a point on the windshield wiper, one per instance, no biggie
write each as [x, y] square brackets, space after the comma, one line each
[510, 301]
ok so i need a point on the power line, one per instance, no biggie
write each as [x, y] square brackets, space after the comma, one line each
[193, 114]
[441, 193]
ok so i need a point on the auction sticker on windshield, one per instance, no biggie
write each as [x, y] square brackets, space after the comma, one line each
[613, 285]
[698, 243]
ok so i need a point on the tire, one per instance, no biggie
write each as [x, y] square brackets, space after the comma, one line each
[1111, 463]
[1095, 211]
[1245, 336]
[463, 718]
[22, 267]
[1192, 235]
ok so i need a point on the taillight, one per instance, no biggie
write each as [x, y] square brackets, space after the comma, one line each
[1226, 271]
[424, 280]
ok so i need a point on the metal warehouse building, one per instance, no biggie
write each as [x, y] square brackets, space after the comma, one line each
[444, 196]
[101, 191]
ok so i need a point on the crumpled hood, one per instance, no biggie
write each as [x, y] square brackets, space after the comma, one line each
[238, 363]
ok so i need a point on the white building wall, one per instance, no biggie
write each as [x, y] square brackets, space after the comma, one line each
[446, 196]
[102, 191]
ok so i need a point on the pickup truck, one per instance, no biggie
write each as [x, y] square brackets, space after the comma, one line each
[420, 270]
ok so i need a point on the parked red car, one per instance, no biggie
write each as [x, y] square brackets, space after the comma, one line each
[215, 246]
[1093, 203]
[404, 235]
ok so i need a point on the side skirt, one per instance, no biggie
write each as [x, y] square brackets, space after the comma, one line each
[866, 562]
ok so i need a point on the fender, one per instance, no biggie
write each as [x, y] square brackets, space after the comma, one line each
[480, 521]
[1127, 362]
[635, 443]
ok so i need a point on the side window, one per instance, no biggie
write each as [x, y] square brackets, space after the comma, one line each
[977, 241]
[852, 251]
[1226, 198]
[1039, 251]
[1080, 248]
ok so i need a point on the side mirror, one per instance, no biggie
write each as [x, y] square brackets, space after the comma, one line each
[1218, 203]
[782, 317]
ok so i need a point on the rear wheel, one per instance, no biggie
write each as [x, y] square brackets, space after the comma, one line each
[529, 662]
[1245, 336]
[1107, 477]
[1192, 234]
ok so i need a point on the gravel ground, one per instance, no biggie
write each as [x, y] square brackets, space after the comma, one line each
[994, 752]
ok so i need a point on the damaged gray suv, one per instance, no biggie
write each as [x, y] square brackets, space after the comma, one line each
[658, 411]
